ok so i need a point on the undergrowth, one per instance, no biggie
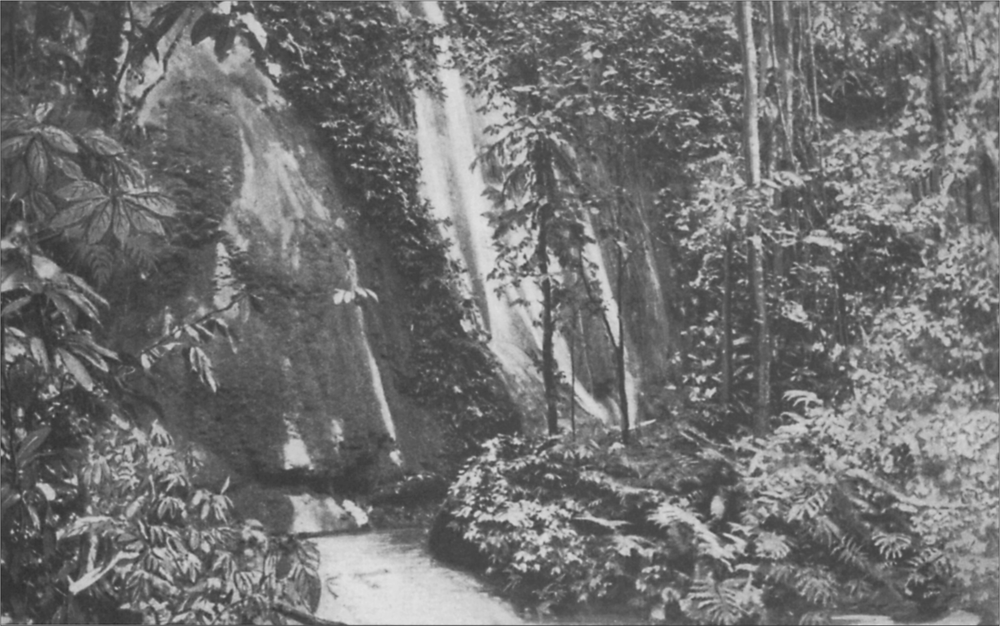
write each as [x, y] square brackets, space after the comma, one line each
[679, 527]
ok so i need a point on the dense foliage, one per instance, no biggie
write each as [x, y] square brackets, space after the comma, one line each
[102, 521]
[870, 249]
[351, 68]
[836, 268]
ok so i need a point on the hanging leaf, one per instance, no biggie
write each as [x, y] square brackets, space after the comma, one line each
[59, 139]
[76, 369]
[224, 43]
[38, 353]
[77, 212]
[41, 204]
[122, 226]
[42, 110]
[98, 141]
[146, 223]
[99, 225]
[38, 162]
[14, 147]
[30, 444]
[81, 190]
[68, 167]
[208, 25]
[15, 306]
[152, 201]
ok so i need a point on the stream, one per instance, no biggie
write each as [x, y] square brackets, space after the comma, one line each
[389, 577]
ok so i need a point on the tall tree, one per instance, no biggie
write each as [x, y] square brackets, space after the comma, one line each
[751, 152]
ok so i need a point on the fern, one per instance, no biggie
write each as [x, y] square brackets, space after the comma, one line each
[891, 545]
[668, 515]
[772, 546]
[810, 506]
[728, 602]
[817, 586]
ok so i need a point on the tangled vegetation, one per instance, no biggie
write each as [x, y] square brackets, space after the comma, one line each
[101, 518]
[829, 211]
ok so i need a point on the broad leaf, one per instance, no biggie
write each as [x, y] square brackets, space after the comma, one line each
[59, 139]
[99, 225]
[68, 167]
[78, 212]
[76, 369]
[81, 190]
[38, 162]
[98, 141]
[208, 25]
[14, 147]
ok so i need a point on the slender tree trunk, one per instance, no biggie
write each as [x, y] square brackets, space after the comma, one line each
[572, 375]
[751, 137]
[546, 191]
[751, 147]
[727, 315]
[815, 89]
[620, 352]
[782, 42]
[548, 330]
[938, 88]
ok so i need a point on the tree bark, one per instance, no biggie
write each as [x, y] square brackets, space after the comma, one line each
[620, 352]
[938, 88]
[546, 193]
[751, 137]
[782, 42]
[727, 315]
[751, 148]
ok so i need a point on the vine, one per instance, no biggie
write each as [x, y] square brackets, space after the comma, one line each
[351, 68]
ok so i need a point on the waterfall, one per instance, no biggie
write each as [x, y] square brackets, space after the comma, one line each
[446, 139]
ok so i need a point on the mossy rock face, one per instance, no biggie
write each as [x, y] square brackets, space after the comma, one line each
[307, 389]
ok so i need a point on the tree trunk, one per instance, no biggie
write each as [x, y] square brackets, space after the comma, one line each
[546, 193]
[782, 41]
[727, 315]
[751, 137]
[101, 70]
[572, 375]
[620, 352]
[751, 148]
[548, 330]
[938, 88]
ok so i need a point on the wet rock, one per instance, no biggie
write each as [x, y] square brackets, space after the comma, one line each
[301, 513]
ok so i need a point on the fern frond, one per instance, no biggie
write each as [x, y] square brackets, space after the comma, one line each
[849, 552]
[719, 603]
[823, 529]
[817, 586]
[810, 506]
[772, 546]
[890, 545]
[667, 515]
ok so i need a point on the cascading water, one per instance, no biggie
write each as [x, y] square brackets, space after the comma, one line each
[446, 130]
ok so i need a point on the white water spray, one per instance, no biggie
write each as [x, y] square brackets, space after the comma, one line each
[446, 134]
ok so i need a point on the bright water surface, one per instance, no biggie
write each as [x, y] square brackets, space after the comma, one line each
[389, 577]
